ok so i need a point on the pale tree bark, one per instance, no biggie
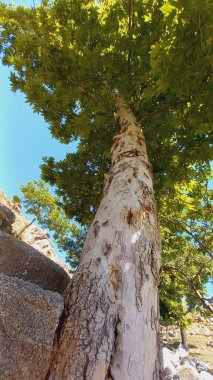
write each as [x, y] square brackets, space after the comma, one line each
[110, 327]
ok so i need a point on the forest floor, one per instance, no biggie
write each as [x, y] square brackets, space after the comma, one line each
[200, 339]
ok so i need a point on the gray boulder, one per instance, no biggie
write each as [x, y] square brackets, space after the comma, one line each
[19, 259]
[7, 218]
[28, 319]
[13, 222]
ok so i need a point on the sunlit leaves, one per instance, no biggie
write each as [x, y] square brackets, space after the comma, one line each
[167, 8]
[68, 56]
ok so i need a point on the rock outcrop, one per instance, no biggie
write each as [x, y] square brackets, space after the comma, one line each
[177, 366]
[19, 259]
[199, 336]
[13, 222]
[29, 309]
[28, 319]
[26, 252]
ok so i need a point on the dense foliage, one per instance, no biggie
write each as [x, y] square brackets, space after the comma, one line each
[67, 57]
[187, 247]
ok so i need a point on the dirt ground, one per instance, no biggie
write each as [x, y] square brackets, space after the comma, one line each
[200, 339]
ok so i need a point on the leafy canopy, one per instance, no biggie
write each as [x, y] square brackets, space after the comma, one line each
[67, 56]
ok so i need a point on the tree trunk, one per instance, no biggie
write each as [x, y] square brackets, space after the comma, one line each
[110, 327]
[183, 338]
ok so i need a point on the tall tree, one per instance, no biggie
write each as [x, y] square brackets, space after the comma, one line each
[148, 63]
[186, 233]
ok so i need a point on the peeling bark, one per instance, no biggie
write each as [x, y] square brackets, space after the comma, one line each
[110, 326]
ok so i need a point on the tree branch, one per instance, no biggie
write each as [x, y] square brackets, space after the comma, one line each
[202, 269]
[160, 110]
[203, 301]
[185, 229]
[25, 227]
[202, 246]
[190, 283]
[80, 88]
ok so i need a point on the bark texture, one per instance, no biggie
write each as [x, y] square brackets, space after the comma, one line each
[110, 329]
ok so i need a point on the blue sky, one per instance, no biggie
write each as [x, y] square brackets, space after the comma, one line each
[25, 137]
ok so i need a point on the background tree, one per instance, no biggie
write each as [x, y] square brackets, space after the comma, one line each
[69, 237]
[79, 63]
[186, 225]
